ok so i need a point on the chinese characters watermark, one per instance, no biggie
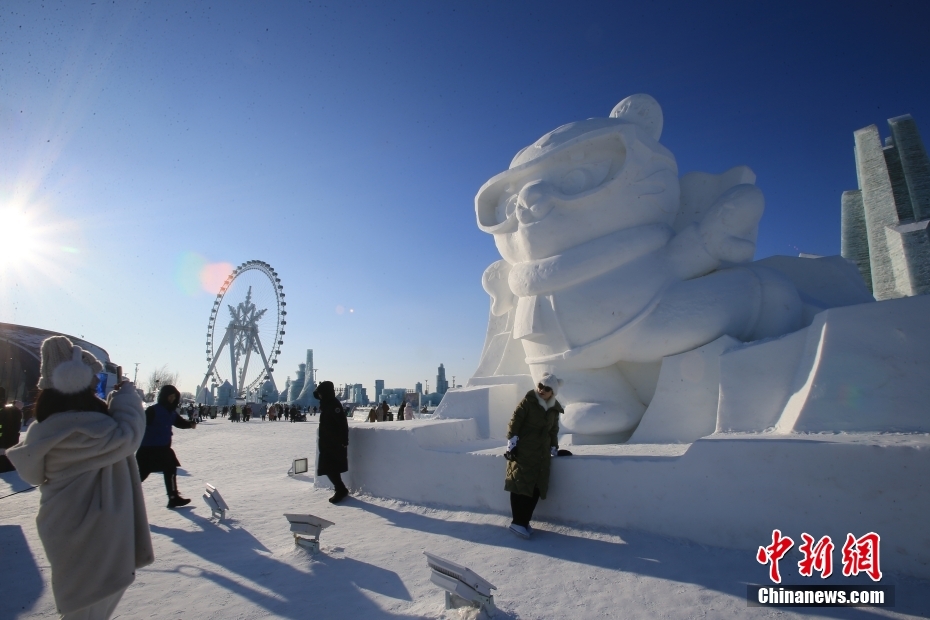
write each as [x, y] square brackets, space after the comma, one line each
[859, 555]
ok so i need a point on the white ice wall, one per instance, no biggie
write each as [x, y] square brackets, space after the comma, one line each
[868, 371]
[685, 404]
[726, 490]
[491, 406]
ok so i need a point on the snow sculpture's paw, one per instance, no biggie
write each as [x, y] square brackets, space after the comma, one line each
[599, 418]
[730, 227]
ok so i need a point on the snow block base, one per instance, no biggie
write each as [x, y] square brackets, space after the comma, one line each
[727, 490]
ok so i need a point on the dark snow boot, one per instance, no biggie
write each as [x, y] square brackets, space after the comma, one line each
[340, 495]
[176, 500]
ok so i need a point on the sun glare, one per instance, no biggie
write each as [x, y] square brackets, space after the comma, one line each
[32, 248]
[20, 237]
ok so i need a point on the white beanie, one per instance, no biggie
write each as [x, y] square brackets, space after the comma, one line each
[66, 367]
[552, 382]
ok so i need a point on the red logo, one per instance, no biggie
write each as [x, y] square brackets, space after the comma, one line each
[860, 555]
[773, 553]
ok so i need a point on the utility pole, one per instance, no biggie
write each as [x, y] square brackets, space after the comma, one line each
[134, 376]
[453, 381]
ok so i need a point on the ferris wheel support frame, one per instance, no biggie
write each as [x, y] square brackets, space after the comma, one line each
[238, 331]
[230, 330]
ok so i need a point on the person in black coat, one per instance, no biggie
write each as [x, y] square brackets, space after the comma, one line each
[333, 439]
[11, 421]
[155, 453]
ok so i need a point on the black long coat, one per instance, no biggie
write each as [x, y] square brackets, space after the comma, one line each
[538, 430]
[333, 439]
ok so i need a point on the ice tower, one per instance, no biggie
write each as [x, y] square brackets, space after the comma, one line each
[885, 221]
[305, 397]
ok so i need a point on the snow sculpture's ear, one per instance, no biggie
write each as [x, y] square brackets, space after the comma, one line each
[641, 109]
[494, 282]
[700, 190]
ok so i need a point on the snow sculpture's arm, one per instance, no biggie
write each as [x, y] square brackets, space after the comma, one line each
[727, 234]
[494, 282]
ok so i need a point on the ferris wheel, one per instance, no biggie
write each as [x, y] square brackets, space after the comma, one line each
[254, 298]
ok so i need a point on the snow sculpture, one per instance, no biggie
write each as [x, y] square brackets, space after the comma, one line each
[612, 263]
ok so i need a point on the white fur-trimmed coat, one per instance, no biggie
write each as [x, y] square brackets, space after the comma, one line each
[91, 517]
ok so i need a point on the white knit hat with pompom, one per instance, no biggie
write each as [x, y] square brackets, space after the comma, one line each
[66, 367]
[552, 382]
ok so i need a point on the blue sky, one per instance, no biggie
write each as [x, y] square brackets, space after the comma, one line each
[343, 143]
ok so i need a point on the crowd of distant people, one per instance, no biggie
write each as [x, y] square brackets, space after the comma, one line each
[277, 412]
[274, 412]
[383, 413]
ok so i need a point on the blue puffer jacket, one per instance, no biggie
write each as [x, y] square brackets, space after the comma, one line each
[158, 422]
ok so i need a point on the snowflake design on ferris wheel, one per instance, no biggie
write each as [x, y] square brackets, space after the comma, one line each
[253, 336]
[245, 318]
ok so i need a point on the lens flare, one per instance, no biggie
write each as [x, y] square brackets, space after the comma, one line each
[194, 274]
[213, 275]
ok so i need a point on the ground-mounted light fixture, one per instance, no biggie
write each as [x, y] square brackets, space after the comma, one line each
[463, 587]
[306, 529]
[299, 466]
[215, 501]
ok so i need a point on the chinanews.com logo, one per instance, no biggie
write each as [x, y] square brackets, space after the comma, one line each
[858, 555]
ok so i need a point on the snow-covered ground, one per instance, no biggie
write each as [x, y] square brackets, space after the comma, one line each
[372, 565]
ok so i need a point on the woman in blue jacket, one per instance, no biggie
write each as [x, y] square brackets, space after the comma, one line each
[156, 454]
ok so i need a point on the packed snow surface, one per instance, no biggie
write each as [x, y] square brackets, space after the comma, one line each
[372, 565]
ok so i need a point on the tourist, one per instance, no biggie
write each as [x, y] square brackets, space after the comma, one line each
[225, 411]
[373, 414]
[532, 439]
[333, 439]
[11, 422]
[156, 454]
[91, 518]
[400, 411]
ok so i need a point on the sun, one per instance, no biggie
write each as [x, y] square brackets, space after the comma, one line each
[21, 237]
[31, 248]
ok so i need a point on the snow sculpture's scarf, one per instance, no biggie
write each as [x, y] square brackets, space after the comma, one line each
[91, 517]
[586, 261]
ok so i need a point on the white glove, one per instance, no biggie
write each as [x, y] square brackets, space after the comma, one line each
[512, 443]
[553, 451]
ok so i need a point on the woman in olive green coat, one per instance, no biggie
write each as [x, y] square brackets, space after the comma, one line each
[532, 440]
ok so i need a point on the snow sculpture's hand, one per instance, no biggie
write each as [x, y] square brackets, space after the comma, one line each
[495, 284]
[730, 227]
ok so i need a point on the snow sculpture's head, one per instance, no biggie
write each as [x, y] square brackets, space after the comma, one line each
[582, 181]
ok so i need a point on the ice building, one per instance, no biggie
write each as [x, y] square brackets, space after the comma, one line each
[885, 221]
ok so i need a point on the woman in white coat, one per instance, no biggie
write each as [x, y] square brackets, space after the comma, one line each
[81, 454]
